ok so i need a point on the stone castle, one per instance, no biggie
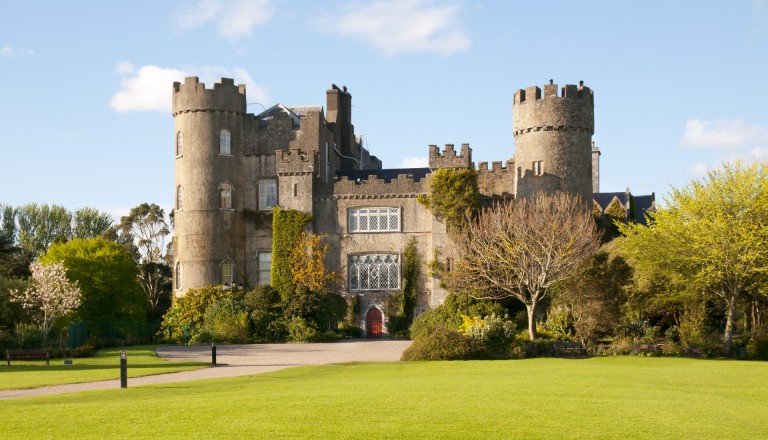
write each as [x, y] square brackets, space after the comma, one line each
[232, 167]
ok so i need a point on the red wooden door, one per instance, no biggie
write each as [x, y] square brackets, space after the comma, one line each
[373, 323]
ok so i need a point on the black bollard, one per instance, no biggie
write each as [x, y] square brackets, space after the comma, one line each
[213, 354]
[123, 369]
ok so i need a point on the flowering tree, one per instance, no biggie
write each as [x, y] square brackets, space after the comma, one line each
[50, 295]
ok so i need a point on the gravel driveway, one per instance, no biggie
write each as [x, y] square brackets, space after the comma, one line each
[240, 360]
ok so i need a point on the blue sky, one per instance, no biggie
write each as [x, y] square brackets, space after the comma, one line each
[85, 87]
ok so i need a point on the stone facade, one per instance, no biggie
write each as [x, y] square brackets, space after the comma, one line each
[233, 167]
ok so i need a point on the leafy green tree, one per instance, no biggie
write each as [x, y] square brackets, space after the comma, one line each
[712, 236]
[39, 226]
[148, 229]
[145, 230]
[107, 276]
[452, 193]
[186, 316]
[90, 223]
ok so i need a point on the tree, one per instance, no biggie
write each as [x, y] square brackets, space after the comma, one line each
[520, 250]
[107, 276]
[595, 295]
[50, 296]
[90, 223]
[307, 261]
[148, 229]
[712, 236]
[42, 225]
[156, 281]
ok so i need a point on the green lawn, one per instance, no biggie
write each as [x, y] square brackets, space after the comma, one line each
[622, 397]
[103, 366]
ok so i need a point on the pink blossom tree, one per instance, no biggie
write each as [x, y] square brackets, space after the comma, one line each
[50, 294]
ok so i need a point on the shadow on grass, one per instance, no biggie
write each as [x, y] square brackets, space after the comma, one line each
[75, 367]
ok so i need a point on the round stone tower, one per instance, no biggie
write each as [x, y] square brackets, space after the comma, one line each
[208, 183]
[553, 139]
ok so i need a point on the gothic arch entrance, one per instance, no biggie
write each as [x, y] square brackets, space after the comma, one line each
[373, 323]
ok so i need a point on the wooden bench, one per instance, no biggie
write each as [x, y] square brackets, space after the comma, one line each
[569, 349]
[27, 354]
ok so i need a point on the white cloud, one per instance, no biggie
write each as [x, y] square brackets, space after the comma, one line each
[723, 133]
[401, 26]
[124, 67]
[414, 162]
[148, 88]
[234, 18]
[9, 52]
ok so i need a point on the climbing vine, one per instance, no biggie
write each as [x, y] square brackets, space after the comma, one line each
[410, 280]
[452, 193]
[287, 228]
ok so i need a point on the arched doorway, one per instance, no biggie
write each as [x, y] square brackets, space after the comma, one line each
[373, 323]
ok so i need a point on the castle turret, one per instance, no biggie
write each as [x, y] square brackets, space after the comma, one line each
[553, 139]
[209, 187]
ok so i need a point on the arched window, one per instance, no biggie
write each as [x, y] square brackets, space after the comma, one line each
[224, 144]
[179, 198]
[178, 275]
[227, 272]
[225, 194]
[179, 144]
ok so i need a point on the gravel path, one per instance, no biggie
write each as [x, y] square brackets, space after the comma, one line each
[240, 360]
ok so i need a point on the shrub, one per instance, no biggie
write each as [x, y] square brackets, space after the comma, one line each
[350, 331]
[757, 348]
[225, 322]
[443, 345]
[449, 314]
[491, 331]
[299, 330]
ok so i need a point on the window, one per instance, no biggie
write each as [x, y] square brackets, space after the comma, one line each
[265, 268]
[224, 145]
[179, 198]
[373, 219]
[179, 144]
[374, 272]
[267, 193]
[538, 168]
[178, 275]
[227, 272]
[225, 194]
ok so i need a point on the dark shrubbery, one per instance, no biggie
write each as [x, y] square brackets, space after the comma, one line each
[443, 344]
[757, 348]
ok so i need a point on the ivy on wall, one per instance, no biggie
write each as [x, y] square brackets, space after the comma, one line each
[452, 193]
[287, 228]
[410, 267]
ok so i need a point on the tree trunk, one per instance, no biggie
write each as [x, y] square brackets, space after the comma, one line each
[730, 318]
[531, 308]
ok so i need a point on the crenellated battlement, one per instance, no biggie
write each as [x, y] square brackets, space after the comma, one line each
[569, 91]
[496, 167]
[404, 185]
[448, 157]
[295, 162]
[192, 96]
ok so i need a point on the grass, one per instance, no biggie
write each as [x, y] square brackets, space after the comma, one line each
[612, 398]
[104, 365]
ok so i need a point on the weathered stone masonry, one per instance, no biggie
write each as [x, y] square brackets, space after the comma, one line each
[232, 167]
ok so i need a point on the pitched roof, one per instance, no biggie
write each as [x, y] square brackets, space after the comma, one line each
[605, 199]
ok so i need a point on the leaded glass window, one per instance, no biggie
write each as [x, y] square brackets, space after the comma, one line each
[374, 272]
[224, 144]
[373, 219]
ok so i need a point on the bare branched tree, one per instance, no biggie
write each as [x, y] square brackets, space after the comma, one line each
[519, 250]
